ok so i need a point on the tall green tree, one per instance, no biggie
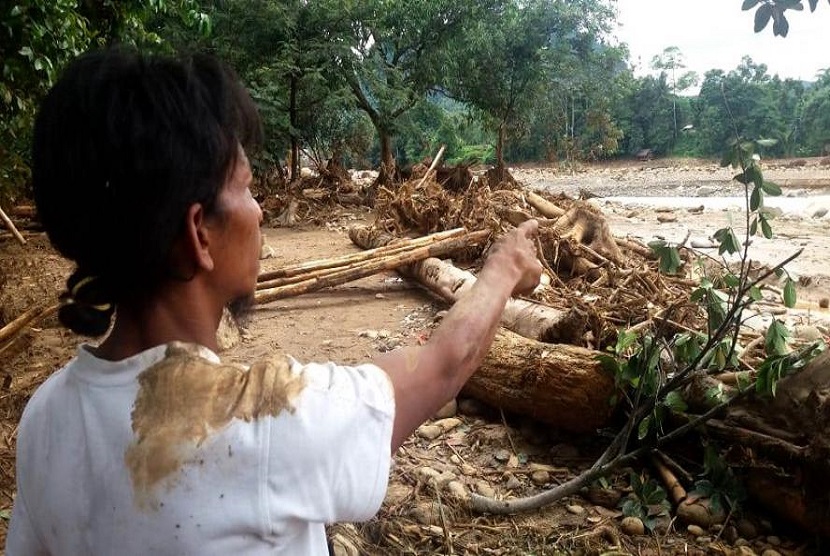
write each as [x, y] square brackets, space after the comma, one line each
[652, 107]
[742, 102]
[524, 58]
[505, 63]
[397, 54]
[38, 37]
[816, 117]
[672, 61]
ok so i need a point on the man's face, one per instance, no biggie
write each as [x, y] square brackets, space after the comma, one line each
[237, 253]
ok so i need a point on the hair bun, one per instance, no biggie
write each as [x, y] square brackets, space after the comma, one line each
[86, 307]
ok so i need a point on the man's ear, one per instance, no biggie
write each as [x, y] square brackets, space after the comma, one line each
[197, 237]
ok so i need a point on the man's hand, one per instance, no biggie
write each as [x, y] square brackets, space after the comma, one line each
[513, 257]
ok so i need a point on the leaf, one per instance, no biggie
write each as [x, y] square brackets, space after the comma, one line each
[643, 428]
[749, 4]
[669, 260]
[790, 295]
[731, 281]
[755, 175]
[755, 199]
[753, 227]
[675, 402]
[755, 293]
[609, 363]
[780, 26]
[771, 188]
[766, 229]
[728, 158]
[656, 245]
[767, 142]
[775, 341]
[729, 242]
[743, 381]
[762, 17]
[697, 295]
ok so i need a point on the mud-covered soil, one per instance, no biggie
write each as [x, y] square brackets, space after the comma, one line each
[477, 447]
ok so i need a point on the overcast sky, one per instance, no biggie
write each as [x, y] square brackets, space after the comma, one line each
[717, 34]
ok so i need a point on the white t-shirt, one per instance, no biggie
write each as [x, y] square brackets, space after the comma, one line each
[112, 457]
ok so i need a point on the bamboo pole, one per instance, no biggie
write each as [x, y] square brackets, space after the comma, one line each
[11, 227]
[544, 206]
[370, 267]
[336, 262]
[10, 332]
[676, 491]
[431, 167]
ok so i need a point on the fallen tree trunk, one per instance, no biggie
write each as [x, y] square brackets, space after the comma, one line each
[531, 320]
[561, 385]
[785, 446]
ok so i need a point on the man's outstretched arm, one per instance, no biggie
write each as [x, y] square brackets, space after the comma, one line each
[426, 377]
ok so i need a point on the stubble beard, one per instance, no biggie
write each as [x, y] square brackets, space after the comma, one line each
[242, 309]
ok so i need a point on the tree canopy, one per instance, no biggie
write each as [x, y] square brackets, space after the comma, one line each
[380, 81]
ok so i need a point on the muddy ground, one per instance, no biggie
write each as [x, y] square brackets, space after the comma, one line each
[479, 447]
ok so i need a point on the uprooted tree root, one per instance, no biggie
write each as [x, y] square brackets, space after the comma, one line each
[615, 282]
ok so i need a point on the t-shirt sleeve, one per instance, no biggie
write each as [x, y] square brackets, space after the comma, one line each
[329, 459]
[22, 538]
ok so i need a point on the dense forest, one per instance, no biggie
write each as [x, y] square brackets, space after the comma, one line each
[385, 82]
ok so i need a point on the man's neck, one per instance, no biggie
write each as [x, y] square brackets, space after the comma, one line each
[176, 316]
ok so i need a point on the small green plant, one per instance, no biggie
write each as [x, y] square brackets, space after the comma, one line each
[718, 483]
[647, 501]
[668, 255]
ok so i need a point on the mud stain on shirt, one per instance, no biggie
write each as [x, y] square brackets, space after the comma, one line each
[184, 398]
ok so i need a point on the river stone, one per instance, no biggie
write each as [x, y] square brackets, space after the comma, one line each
[448, 424]
[575, 509]
[458, 490]
[513, 483]
[695, 530]
[746, 529]
[632, 526]
[540, 477]
[484, 489]
[429, 432]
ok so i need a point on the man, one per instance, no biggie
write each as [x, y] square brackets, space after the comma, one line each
[147, 443]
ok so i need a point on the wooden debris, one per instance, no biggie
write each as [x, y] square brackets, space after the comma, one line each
[360, 270]
[561, 385]
[544, 206]
[387, 248]
[10, 225]
[10, 332]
